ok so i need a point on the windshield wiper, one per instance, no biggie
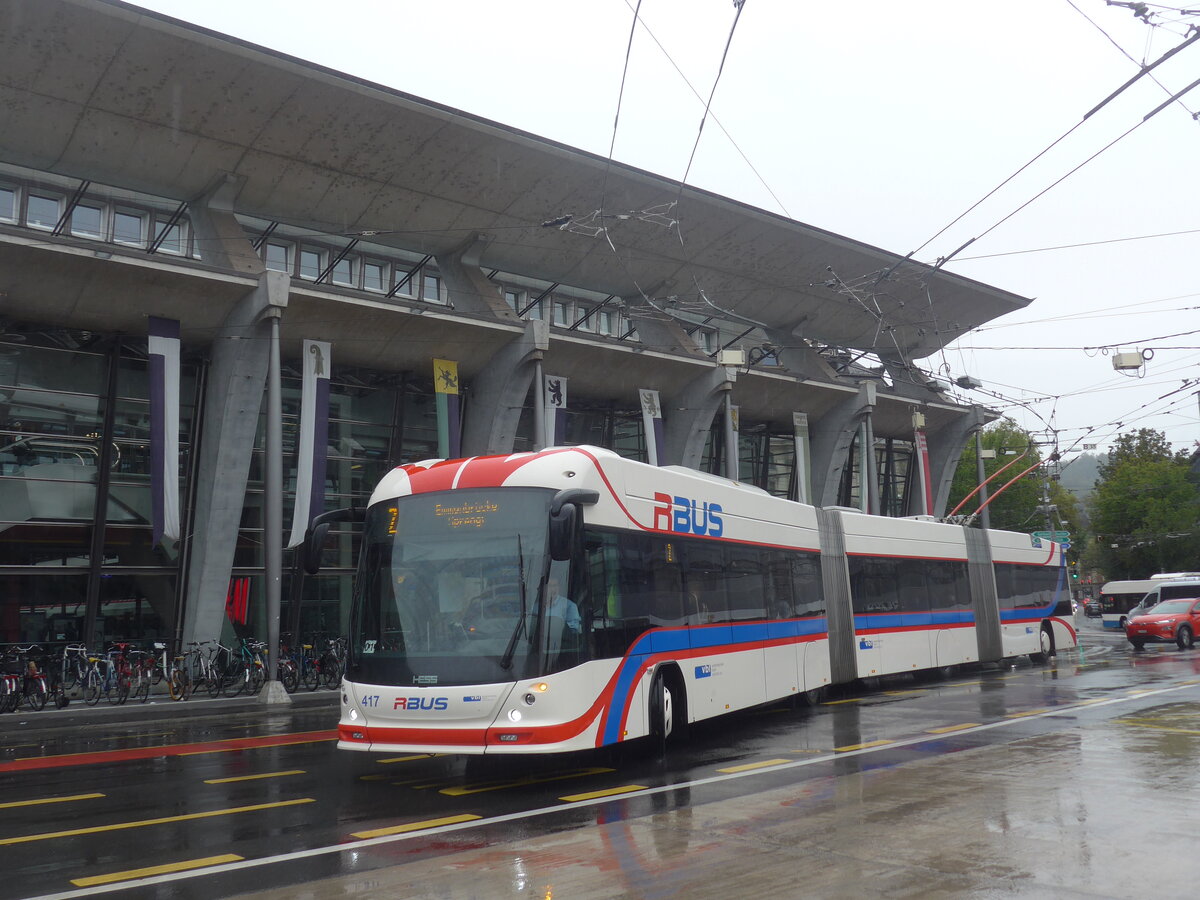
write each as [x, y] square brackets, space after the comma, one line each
[511, 649]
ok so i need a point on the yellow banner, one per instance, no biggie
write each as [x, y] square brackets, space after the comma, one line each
[445, 376]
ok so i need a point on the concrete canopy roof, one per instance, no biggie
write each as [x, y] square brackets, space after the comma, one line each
[95, 89]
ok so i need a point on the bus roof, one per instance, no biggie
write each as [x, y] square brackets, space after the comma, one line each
[1128, 587]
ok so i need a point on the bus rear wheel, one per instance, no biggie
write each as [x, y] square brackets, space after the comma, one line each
[1046, 640]
[667, 706]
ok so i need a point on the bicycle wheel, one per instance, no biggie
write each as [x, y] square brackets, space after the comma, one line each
[213, 682]
[331, 673]
[179, 685]
[91, 691]
[118, 690]
[257, 679]
[36, 692]
[288, 676]
[141, 690]
[311, 676]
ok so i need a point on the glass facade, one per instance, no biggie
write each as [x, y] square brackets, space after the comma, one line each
[75, 452]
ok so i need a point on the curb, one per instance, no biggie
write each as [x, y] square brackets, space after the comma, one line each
[159, 707]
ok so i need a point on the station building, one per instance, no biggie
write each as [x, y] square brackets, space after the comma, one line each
[153, 171]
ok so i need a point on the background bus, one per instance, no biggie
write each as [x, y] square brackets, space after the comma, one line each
[1119, 598]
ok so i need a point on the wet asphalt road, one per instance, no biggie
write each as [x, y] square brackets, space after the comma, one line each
[256, 800]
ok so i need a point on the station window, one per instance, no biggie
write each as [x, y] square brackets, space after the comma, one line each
[561, 312]
[343, 272]
[536, 311]
[404, 283]
[8, 204]
[42, 212]
[513, 299]
[431, 288]
[606, 321]
[171, 240]
[310, 263]
[129, 228]
[87, 221]
[373, 276]
[278, 257]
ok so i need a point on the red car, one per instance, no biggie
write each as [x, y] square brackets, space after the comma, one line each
[1171, 620]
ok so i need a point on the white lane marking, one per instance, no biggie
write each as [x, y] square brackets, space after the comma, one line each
[550, 810]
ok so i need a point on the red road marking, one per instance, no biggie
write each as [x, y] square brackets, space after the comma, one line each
[110, 756]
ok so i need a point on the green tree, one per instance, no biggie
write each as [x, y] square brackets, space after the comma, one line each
[1016, 508]
[1145, 510]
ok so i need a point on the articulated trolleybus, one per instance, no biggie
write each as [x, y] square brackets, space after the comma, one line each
[570, 599]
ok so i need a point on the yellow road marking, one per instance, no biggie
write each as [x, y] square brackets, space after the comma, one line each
[119, 826]
[415, 826]
[757, 765]
[1162, 728]
[837, 702]
[263, 747]
[1031, 712]
[611, 792]
[1093, 700]
[861, 746]
[950, 728]
[396, 759]
[963, 683]
[254, 777]
[1136, 691]
[131, 874]
[480, 788]
[15, 803]
[902, 693]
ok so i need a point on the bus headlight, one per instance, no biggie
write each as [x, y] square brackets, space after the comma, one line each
[353, 714]
[514, 715]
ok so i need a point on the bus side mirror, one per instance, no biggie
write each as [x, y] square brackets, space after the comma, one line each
[565, 521]
[318, 531]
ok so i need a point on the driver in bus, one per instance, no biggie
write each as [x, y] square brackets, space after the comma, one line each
[562, 607]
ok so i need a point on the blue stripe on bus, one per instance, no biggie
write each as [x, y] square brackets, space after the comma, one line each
[673, 640]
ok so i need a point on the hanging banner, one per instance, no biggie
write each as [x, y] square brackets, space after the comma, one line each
[926, 482]
[652, 426]
[237, 601]
[803, 458]
[163, 348]
[556, 409]
[312, 448]
[445, 392]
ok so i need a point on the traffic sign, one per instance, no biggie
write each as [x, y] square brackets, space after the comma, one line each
[1057, 536]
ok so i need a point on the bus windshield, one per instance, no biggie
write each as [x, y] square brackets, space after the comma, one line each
[448, 588]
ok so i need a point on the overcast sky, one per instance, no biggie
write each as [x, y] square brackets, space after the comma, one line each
[880, 120]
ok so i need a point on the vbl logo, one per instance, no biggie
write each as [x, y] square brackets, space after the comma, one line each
[684, 516]
[411, 703]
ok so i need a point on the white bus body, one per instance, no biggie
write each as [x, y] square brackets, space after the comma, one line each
[695, 596]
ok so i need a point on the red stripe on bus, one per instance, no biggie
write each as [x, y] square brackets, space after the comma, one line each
[101, 757]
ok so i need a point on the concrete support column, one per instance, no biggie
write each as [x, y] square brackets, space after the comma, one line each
[946, 445]
[832, 436]
[467, 288]
[237, 380]
[499, 392]
[688, 416]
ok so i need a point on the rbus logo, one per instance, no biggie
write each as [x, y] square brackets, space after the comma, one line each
[411, 703]
[684, 516]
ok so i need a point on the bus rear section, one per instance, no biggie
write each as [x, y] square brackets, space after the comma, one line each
[1117, 598]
